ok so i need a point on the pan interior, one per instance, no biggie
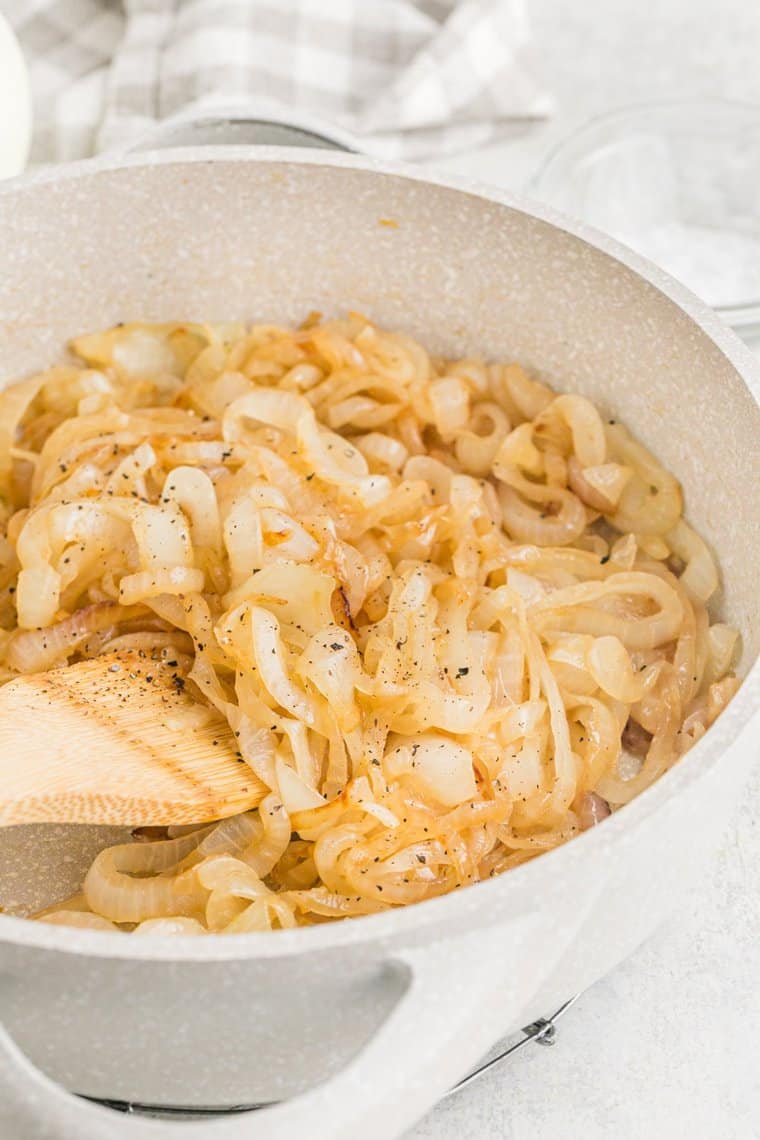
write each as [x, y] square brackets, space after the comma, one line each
[272, 240]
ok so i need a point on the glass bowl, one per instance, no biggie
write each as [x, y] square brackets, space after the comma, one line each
[679, 182]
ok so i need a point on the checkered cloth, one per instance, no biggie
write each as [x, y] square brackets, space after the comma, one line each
[406, 78]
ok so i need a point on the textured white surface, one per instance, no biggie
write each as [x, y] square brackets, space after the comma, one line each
[668, 1045]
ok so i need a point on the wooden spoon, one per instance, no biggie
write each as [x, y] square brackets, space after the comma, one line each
[117, 740]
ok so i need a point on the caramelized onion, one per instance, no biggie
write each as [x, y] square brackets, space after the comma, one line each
[389, 575]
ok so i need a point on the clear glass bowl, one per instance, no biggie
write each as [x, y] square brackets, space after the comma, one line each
[678, 182]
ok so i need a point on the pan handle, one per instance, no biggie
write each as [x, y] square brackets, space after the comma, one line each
[243, 125]
[461, 995]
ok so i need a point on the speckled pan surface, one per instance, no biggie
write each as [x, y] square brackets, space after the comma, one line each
[269, 235]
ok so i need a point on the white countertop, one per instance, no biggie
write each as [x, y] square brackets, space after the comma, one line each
[668, 1046]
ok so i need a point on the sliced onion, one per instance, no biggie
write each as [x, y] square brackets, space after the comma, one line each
[599, 487]
[38, 596]
[81, 919]
[232, 835]
[530, 524]
[142, 354]
[623, 552]
[700, 576]
[295, 793]
[382, 451]
[518, 451]
[333, 665]
[339, 463]
[586, 428]
[280, 409]
[297, 595]
[651, 501]
[522, 720]
[611, 668]
[530, 396]
[653, 545]
[567, 655]
[567, 610]
[450, 400]
[224, 873]
[521, 771]
[182, 580]
[530, 589]
[436, 475]
[267, 851]
[438, 764]
[112, 890]
[269, 655]
[477, 446]
[193, 491]
[41, 649]
[14, 401]
[175, 925]
[128, 478]
[722, 642]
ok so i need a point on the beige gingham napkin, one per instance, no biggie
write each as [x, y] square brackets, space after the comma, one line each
[405, 78]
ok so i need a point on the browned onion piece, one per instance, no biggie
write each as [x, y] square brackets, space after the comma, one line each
[636, 739]
[591, 810]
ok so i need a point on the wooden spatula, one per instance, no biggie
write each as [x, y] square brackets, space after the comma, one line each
[116, 740]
